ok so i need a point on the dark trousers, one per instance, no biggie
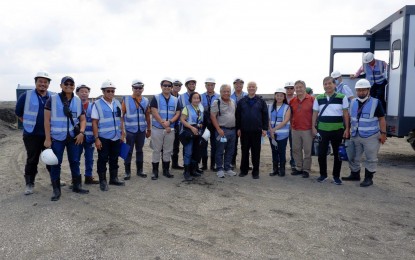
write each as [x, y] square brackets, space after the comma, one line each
[72, 151]
[290, 139]
[109, 153]
[34, 146]
[212, 141]
[137, 140]
[378, 91]
[278, 153]
[235, 151]
[176, 143]
[335, 138]
[250, 141]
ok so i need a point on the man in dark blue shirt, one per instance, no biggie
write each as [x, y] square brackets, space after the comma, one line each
[29, 110]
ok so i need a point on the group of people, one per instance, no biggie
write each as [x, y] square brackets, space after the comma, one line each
[69, 120]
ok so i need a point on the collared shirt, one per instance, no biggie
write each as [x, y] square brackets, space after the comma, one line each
[227, 112]
[94, 112]
[302, 113]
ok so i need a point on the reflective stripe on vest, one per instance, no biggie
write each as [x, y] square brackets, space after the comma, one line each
[89, 135]
[375, 75]
[31, 109]
[276, 117]
[367, 125]
[59, 122]
[205, 101]
[166, 111]
[135, 116]
[109, 124]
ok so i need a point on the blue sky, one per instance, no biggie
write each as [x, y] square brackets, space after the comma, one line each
[269, 42]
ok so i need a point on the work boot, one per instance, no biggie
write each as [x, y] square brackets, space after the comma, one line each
[282, 169]
[29, 185]
[77, 185]
[368, 179]
[56, 185]
[166, 170]
[186, 173]
[103, 181]
[354, 176]
[140, 172]
[193, 170]
[90, 180]
[155, 171]
[274, 169]
[204, 163]
[114, 179]
[127, 174]
[175, 163]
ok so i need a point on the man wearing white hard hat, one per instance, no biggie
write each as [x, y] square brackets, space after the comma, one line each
[368, 132]
[30, 111]
[177, 86]
[289, 94]
[376, 73]
[207, 99]
[165, 111]
[108, 133]
[136, 114]
[340, 86]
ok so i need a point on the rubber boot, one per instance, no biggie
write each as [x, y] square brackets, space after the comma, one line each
[204, 163]
[77, 185]
[368, 179]
[114, 178]
[354, 176]
[155, 171]
[140, 172]
[186, 173]
[56, 185]
[193, 170]
[166, 170]
[282, 169]
[29, 186]
[274, 169]
[175, 163]
[103, 181]
[127, 174]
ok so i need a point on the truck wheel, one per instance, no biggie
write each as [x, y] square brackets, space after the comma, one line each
[411, 138]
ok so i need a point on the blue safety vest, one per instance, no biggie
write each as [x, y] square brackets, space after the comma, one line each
[134, 116]
[109, 124]
[60, 124]
[377, 74]
[207, 100]
[165, 110]
[89, 135]
[235, 98]
[31, 109]
[278, 116]
[367, 125]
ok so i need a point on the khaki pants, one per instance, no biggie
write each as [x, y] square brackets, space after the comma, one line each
[302, 142]
[369, 147]
[161, 141]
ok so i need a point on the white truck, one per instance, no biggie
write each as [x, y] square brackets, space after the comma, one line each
[393, 39]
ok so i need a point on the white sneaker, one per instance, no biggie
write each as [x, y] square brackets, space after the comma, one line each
[221, 174]
[230, 173]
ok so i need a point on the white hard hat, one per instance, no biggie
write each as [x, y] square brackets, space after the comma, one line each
[107, 84]
[166, 79]
[362, 83]
[368, 57]
[289, 84]
[48, 157]
[335, 74]
[190, 79]
[137, 82]
[42, 74]
[279, 90]
[210, 80]
[206, 134]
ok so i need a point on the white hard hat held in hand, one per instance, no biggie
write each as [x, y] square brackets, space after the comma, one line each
[48, 157]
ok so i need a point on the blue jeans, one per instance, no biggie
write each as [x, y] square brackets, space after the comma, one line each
[225, 151]
[137, 140]
[72, 150]
[192, 151]
[278, 153]
[109, 153]
[89, 157]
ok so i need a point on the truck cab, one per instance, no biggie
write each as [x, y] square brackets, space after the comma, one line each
[392, 40]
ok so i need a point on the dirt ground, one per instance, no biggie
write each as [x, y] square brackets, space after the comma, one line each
[210, 218]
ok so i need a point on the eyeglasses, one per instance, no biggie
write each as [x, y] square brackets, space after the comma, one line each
[140, 87]
[290, 88]
[110, 91]
[69, 84]
[167, 85]
[177, 85]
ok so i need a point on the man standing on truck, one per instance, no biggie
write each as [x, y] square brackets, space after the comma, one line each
[368, 131]
[340, 86]
[376, 73]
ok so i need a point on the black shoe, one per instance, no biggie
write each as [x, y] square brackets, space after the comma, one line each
[127, 174]
[89, 180]
[77, 185]
[155, 171]
[194, 171]
[368, 181]
[255, 176]
[242, 174]
[166, 170]
[296, 172]
[114, 179]
[275, 170]
[305, 174]
[354, 176]
[103, 185]
[56, 190]
[140, 172]
[186, 173]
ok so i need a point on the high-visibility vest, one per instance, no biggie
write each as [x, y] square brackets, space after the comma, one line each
[134, 116]
[31, 109]
[109, 124]
[165, 110]
[367, 125]
[60, 124]
[278, 116]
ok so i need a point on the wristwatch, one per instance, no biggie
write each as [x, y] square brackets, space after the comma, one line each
[384, 133]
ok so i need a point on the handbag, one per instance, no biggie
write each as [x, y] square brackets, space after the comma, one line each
[185, 135]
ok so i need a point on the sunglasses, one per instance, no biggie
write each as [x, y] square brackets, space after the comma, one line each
[69, 84]
[177, 85]
[290, 88]
[167, 85]
[109, 91]
[140, 87]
